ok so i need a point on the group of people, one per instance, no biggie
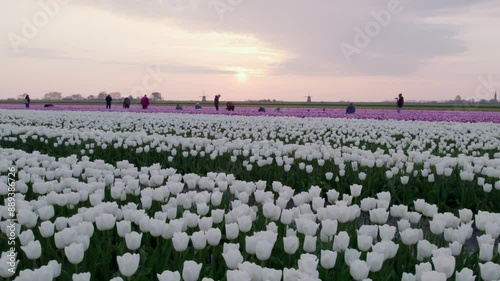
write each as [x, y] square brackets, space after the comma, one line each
[229, 105]
[127, 102]
[400, 100]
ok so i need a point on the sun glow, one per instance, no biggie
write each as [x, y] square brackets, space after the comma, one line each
[242, 76]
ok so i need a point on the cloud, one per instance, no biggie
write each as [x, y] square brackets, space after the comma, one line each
[98, 36]
[313, 31]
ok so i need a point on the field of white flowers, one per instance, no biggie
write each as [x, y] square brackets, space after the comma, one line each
[131, 196]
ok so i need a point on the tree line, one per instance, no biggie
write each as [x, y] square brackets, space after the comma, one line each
[155, 96]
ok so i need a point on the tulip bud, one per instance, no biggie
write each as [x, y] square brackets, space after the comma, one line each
[232, 231]
[386, 232]
[490, 271]
[310, 244]
[465, 275]
[191, 271]
[444, 264]
[74, 253]
[408, 277]
[105, 221]
[232, 258]
[169, 276]
[351, 255]
[244, 223]
[375, 261]
[308, 264]
[341, 241]
[46, 229]
[485, 252]
[290, 244]
[199, 240]
[263, 250]
[180, 241]
[379, 216]
[356, 189]
[328, 259]
[123, 227]
[128, 264]
[214, 236]
[33, 250]
[364, 242]
[433, 276]
[359, 270]
[410, 236]
[81, 276]
[237, 275]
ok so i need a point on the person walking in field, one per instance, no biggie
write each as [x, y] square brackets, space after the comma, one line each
[126, 103]
[145, 102]
[216, 102]
[27, 101]
[108, 101]
[400, 102]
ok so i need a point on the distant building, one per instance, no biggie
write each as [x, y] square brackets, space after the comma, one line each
[495, 97]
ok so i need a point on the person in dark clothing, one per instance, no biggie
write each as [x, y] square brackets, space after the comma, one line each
[197, 106]
[216, 102]
[145, 102]
[126, 103]
[178, 107]
[108, 101]
[400, 102]
[230, 106]
[27, 102]
[261, 109]
[350, 109]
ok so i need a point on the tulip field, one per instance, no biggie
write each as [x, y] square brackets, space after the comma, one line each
[93, 195]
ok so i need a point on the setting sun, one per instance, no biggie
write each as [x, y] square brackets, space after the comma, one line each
[242, 76]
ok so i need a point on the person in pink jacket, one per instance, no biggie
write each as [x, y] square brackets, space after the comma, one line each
[145, 102]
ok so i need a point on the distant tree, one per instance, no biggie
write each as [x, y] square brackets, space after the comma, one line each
[53, 96]
[458, 98]
[91, 97]
[130, 97]
[102, 95]
[116, 95]
[77, 97]
[156, 96]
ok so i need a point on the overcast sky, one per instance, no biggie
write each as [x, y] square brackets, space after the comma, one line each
[252, 49]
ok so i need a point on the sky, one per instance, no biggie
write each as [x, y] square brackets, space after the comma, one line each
[252, 49]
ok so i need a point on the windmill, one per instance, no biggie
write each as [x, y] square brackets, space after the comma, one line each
[204, 97]
[308, 97]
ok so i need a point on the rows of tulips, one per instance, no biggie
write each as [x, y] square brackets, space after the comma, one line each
[103, 196]
[455, 114]
[455, 165]
[83, 219]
